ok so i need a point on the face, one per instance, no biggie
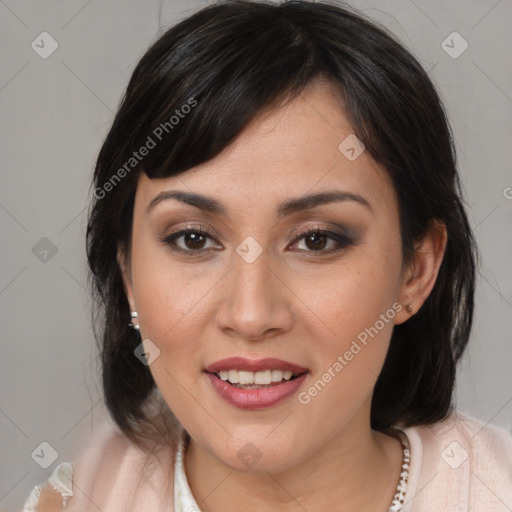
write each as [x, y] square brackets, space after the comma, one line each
[252, 284]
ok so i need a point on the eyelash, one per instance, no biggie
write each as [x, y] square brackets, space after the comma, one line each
[342, 241]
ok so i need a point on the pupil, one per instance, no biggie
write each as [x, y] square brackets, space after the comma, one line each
[194, 238]
[311, 238]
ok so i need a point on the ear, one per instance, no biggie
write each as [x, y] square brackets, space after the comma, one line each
[125, 266]
[420, 276]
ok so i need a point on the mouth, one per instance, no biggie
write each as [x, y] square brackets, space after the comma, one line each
[256, 380]
[250, 384]
[246, 373]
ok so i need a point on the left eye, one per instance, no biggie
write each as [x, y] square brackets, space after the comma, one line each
[316, 240]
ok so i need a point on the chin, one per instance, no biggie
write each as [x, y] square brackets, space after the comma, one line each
[258, 455]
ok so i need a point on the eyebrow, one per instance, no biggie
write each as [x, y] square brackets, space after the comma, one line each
[286, 208]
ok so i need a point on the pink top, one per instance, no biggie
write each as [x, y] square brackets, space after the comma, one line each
[461, 464]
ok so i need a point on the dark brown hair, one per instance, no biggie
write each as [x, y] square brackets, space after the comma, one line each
[233, 60]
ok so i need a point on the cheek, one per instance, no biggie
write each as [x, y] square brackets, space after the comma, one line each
[168, 302]
[351, 296]
[168, 292]
[349, 357]
[351, 319]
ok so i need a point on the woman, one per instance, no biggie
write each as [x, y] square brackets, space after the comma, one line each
[286, 271]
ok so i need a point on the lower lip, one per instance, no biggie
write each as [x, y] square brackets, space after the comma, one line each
[255, 398]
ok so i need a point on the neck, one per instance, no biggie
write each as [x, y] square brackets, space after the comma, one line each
[358, 469]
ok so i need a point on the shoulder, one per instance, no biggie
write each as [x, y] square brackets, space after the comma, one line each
[463, 436]
[60, 490]
[462, 459]
[111, 474]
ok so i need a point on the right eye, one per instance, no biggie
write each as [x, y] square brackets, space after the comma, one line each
[192, 240]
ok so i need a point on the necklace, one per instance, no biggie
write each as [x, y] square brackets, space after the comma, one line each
[185, 502]
[401, 488]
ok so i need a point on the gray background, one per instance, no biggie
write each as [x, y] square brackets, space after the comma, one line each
[54, 115]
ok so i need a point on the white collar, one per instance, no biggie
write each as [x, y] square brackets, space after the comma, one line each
[183, 499]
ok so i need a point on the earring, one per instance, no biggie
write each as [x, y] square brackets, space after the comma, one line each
[134, 315]
[409, 308]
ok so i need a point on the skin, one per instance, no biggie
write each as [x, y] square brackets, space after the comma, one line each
[50, 500]
[293, 302]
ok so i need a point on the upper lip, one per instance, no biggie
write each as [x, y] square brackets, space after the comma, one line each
[254, 365]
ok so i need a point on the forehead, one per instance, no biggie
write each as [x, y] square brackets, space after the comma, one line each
[284, 152]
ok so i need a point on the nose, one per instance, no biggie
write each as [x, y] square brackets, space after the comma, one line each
[255, 300]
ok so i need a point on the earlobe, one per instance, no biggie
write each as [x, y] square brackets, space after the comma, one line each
[420, 278]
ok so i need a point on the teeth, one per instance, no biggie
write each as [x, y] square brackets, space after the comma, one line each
[262, 378]
[245, 377]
